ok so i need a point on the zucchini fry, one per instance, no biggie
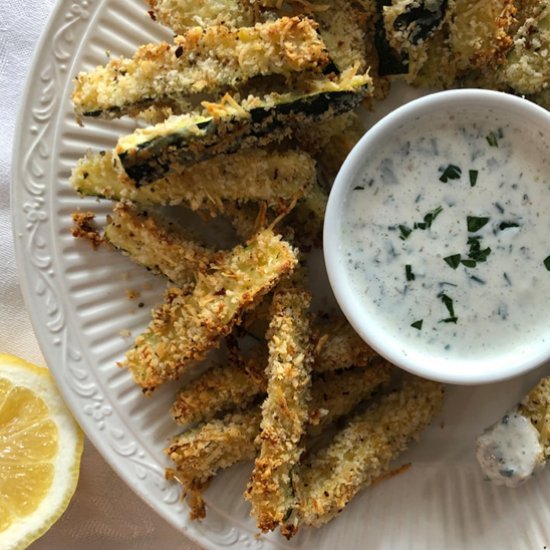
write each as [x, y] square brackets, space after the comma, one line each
[479, 32]
[179, 15]
[527, 70]
[214, 59]
[153, 243]
[341, 348]
[250, 175]
[529, 425]
[335, 394]
[285, 410]
[362, 451]
[186, 326]
[343, 33]
[220, 389]
[200, 452]
[149, 153]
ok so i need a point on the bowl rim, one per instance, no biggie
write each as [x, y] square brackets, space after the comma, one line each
[501, 367]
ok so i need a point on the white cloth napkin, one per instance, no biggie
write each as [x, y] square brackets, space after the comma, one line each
[104, 512]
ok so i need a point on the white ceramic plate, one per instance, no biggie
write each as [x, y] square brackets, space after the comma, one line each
[78, 303]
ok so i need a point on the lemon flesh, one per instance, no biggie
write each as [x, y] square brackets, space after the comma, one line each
[40, 451]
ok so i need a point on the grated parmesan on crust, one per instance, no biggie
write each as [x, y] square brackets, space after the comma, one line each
[202, 60]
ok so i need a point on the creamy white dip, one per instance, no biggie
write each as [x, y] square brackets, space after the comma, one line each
[509, 452]
[445, 236]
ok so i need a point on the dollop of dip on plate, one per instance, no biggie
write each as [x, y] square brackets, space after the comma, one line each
[509, 452]
[445, 236]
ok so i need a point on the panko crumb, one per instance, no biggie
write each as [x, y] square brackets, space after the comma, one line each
[125, 333]
[132, 294]
[85, 228]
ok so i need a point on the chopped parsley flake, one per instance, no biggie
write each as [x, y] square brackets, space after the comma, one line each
[358, 188]
[476, 253]
[475, 224]
[431, 216]
[468, 263]
[409, 273]
[507, 225]
[547, 263]
[417, 324]
[493, 137]
[451, 172]
[477, 280]
[426, 224]
[449, 320]
[473, 177]
[405, 232]
[448, 302]
[453, 261]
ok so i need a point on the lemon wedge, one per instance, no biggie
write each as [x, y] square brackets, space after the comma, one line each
[40, 451]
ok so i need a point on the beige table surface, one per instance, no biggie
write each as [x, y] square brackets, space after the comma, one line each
[104, 513]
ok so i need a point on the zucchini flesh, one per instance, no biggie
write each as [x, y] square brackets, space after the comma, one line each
[156, 245]
[250, 175]
[148, 154]
[179, 15]
[202, 60]
[187, 325]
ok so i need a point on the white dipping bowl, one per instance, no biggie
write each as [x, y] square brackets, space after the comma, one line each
[518, 353]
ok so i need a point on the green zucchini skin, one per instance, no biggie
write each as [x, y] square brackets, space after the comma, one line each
[195, 142]
[391, 63]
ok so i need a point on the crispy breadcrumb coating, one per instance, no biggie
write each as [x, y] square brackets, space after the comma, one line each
[479, 32]
[362, 451]
[214, 59]
[285, 410]
[86, 228]
[219, 389]
[342, 31]
[186, 326]
[179, 15]
[527, 68]
[228, 125]
[249, 175]
[536, 407]
[341, 347]
[335, 394]
[200, 452]
[154, 243]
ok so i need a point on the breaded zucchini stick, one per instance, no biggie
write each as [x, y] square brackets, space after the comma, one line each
[155, 244]
[343, 33]
[512, 450]
[186, 326]
[409, 27]
[527, 68]
[335, 394]
[340, 348]
[479, 32]
[250, 175]
[200, 452]
[220, 389]
[285, 410]
[214, 59]
[149, 153]
[308, 217]
[362, 451]
[179, 15]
